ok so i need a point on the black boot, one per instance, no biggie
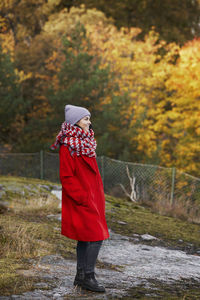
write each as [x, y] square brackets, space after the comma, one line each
[90, 283]
[79, 277]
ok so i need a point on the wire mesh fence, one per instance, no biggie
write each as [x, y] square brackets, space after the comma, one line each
[20, 164]
[149, 179]
[146, 183]
[50, 166]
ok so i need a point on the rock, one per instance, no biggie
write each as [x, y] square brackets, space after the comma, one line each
[56, 296]
[145, 249]
[2, 194]
[138, 268]
[57, 217]
[56, 228]
[5, 203]
[31, 189]
[136, 240]
[45, 187]
[3, 207]
[43, 285]
[57, 193]
[148, 237]
[118, 237]
[15, 189]
[54, 259]
[56, 187]
[121, 222]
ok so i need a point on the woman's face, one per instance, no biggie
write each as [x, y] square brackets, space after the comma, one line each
[84, 123]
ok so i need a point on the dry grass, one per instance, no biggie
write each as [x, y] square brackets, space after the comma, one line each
[43, 202]
[19, 238]
[25, 233]
[182, 210]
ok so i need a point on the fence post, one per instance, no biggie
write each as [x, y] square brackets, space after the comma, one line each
[41, 164]
[173, 185]
[102, 168]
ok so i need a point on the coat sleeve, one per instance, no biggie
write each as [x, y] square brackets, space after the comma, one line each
[71, 186]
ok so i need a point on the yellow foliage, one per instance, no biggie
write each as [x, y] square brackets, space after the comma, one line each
[22, 76]
[169, 123]
[163, 104]
[7, 43]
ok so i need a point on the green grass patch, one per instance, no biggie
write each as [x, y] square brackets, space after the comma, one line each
[141, 220]
[10, 281]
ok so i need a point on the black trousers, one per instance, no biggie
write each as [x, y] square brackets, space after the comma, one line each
[87, 253]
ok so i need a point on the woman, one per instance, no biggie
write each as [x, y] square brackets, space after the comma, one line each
[83, 202]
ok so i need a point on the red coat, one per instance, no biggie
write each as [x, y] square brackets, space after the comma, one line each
[83, 201]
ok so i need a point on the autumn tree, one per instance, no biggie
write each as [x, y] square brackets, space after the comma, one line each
[181, 123]
[140, 74]
[11, 103]
[114, 138]
[31, 60]
[25, 17]
[143, 94]
[81, 80]
[176, 20]
[170, 130]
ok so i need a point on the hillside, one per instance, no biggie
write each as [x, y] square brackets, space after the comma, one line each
[34, 257]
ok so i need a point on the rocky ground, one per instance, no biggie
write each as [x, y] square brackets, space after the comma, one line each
[132, 264]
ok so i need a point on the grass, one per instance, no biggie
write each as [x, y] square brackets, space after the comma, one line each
[142, 220]
[26, 231]
[10, 281]
[182, 209]
[187, 290]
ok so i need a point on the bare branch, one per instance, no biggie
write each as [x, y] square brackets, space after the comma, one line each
[133, 194]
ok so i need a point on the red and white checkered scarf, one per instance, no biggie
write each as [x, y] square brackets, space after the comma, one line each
[77, 140]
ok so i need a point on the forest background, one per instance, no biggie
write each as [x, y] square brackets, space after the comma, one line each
[134, 64]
